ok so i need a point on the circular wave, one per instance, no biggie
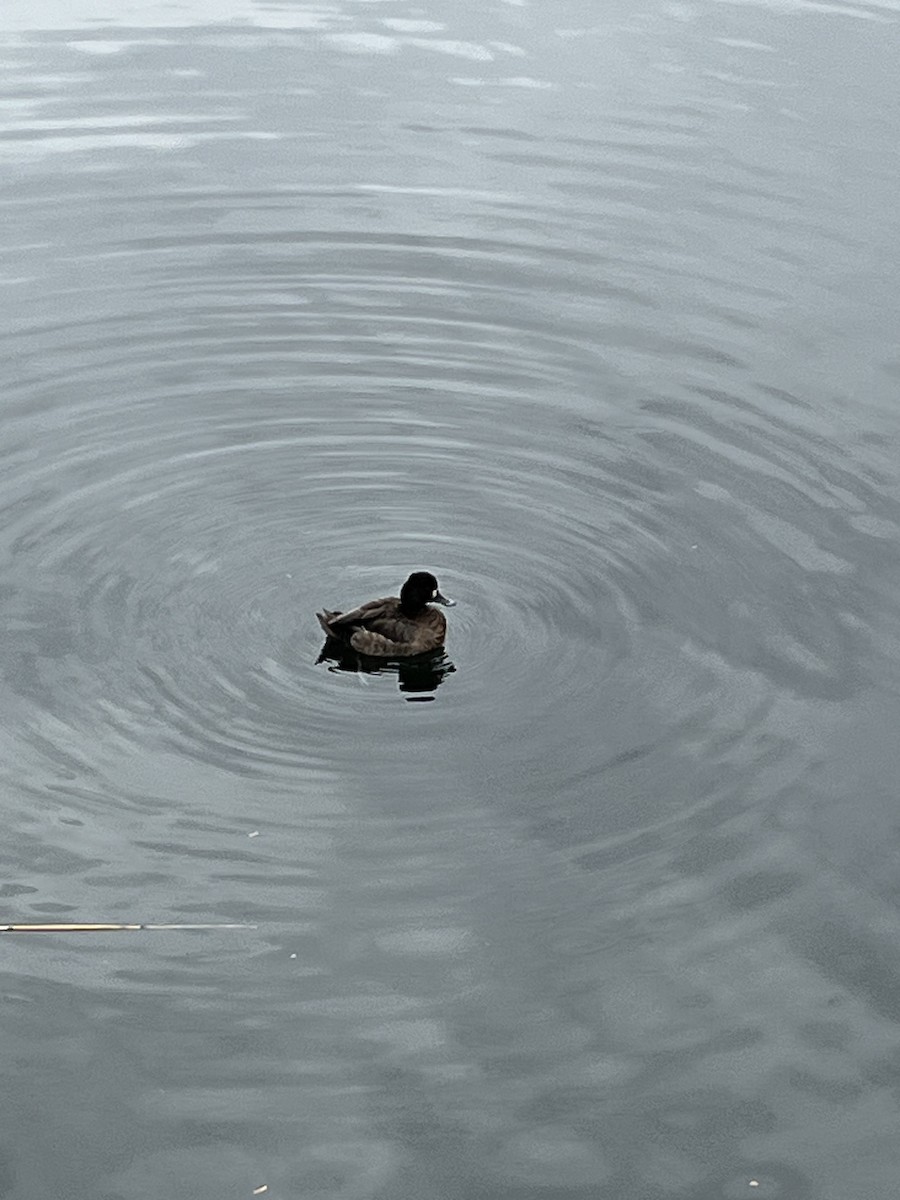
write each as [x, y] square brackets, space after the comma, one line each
[289, 395]
[208, 474]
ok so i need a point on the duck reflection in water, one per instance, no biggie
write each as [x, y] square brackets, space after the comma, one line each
[418, 677]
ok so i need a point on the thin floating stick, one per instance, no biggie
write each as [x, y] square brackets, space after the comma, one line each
[105, 928]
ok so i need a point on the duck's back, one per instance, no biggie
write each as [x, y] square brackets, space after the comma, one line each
[385, 609]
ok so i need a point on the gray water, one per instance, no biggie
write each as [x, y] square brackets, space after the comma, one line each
[592, 310]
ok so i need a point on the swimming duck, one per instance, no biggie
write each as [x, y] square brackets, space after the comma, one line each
[394, 626]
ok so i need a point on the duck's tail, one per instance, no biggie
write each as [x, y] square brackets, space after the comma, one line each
[325, 617]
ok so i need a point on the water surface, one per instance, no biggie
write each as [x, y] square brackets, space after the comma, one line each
[591, 310]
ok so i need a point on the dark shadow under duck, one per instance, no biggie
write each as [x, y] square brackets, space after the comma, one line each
[418, 678]
[394, 626]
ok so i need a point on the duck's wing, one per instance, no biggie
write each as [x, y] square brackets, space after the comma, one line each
[397, 636]
[378, 645]
[372, 610]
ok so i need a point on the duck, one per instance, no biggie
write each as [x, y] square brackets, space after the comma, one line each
[393, 626]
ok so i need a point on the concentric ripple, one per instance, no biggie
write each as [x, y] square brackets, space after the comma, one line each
[235, 399]
[197, 478]
[592, 311]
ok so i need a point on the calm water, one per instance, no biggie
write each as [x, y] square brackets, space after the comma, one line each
[593, 310]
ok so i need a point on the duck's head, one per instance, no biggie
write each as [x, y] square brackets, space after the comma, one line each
[420, 589]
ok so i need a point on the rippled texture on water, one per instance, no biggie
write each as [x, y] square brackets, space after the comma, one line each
[592, 311]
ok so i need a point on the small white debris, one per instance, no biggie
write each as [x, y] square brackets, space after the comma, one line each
[260, 1190]
[288, 576]
[255, 833]
[293, 956]
[754, 1183]
[695, 546]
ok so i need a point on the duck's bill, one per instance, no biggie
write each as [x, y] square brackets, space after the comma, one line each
[439, 598]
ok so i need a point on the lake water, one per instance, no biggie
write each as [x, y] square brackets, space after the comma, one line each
[591, 309]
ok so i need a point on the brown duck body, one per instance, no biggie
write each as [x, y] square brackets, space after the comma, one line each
[394, 626]
[380, 627]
